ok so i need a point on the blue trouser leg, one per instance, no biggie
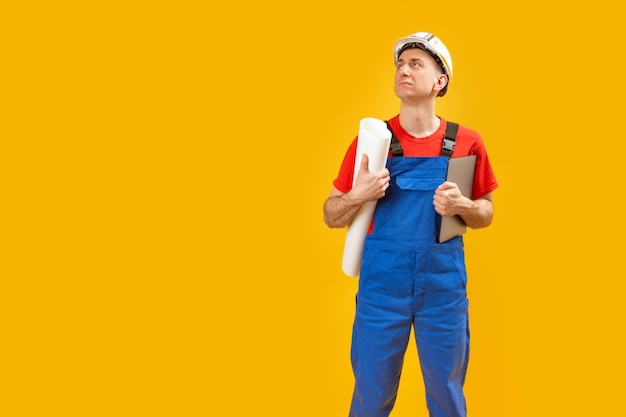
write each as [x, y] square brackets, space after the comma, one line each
[380, 336]
[442, 334]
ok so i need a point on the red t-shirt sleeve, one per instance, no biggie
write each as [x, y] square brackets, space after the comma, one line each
[344, 179]
[484, 177]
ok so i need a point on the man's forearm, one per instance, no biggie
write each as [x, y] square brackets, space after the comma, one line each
[340, 210]
[478, 214]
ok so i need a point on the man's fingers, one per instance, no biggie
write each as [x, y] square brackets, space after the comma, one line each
[446, 185]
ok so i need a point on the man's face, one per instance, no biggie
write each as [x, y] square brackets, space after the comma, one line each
[417, 75]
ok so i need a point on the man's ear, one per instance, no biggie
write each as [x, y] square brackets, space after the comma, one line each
[441, 82]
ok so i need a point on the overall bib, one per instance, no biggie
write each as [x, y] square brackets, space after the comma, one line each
[407, 279]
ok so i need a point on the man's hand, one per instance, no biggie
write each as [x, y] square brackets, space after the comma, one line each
[340, 208]
[448, 199]
[369, 186]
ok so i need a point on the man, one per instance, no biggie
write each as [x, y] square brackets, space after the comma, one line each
[406, 277]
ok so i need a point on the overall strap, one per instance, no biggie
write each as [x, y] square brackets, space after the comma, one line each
[449, 139]
[447, 146]
[394, 147]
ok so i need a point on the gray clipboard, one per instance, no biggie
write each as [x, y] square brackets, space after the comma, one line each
[461, 172]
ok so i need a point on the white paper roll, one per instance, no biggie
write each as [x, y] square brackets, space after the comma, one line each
[374, 139]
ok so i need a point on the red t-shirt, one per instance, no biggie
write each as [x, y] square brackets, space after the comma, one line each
[468, 142]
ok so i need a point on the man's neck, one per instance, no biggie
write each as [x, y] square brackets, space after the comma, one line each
[419, 122]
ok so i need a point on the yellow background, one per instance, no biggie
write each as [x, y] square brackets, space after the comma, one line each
[164, 166]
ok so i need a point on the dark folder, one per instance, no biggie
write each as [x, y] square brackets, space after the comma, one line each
[460, 171]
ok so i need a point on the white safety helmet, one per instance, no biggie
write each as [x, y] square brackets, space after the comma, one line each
[431, 44]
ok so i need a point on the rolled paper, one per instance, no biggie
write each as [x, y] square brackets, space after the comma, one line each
[374, 139]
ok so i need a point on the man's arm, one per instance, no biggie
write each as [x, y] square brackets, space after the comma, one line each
[476, 214]
[341, 208]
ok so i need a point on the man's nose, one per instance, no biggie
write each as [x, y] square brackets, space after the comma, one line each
[405, 70]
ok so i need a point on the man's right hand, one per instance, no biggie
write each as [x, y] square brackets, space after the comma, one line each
[340, 208]
[369, 186]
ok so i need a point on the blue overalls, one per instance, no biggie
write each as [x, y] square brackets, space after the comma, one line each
[407, 279]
